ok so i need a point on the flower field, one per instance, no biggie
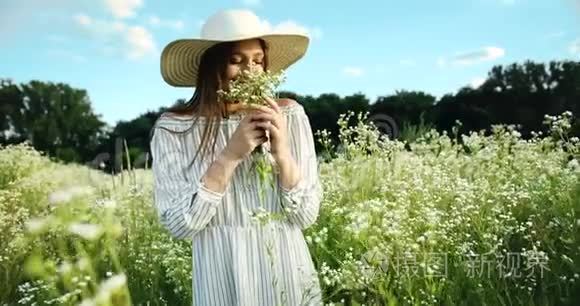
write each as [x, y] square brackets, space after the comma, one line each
[446, 220]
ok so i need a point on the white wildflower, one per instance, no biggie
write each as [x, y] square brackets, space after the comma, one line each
[111, 286]
[65, 195]
[37, 225]
[88, 302]
[85, 230]
[64, 268]
[573, 164]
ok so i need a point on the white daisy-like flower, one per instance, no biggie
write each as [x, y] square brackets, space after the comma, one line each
[37, 225]
[86, 230]
[67, 194]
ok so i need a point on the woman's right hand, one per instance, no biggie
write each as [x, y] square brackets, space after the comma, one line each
[246, 137]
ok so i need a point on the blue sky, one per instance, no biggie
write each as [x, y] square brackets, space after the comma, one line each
[111, 48]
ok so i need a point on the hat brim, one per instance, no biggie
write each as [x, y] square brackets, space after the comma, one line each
[180, 59]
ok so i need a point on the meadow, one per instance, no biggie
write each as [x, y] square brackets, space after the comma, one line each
[476, 219]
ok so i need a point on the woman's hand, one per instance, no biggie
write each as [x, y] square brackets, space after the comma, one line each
[247, 136]
[273, 120]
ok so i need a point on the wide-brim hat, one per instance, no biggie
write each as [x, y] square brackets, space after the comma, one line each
[180, 59]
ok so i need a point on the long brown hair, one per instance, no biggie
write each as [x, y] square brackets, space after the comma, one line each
[205, 101]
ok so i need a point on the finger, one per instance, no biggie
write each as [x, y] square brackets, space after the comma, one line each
[273, 104]
[258, 134]
[262, 108]
[274, 119]
[265, 125]
[274, 131]
[248, 117]
[264, 117]
[252, 117]
[243, 108]
[261, 140]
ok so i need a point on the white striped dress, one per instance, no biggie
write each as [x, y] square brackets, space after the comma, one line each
[236, 261]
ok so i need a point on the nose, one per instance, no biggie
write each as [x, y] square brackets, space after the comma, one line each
[249, 65]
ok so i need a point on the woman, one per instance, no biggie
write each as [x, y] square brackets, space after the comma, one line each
[210, 199]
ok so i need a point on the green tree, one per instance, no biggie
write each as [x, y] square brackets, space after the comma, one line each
[405, 107]
[55, 118]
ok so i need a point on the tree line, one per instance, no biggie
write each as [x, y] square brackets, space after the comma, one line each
[59, 120]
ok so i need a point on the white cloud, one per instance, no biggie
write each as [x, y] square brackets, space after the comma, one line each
[352, 71]
[123, 8]
[157, 22]
[139, 42]
[116, 37]
[99, 29]
[484, 54]
[476, 82]
[36, 17]
[83, 19]
[575, 47]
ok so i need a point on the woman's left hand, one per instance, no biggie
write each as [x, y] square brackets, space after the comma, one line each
[274, 121]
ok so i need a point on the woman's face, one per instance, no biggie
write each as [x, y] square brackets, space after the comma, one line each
[244, 54]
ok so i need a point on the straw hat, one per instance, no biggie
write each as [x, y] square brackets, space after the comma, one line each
[180, 59]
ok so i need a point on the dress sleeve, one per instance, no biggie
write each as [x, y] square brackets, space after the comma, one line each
[184, 207]
[302, 202]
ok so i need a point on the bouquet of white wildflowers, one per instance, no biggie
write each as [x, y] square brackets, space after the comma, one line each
[250, 87]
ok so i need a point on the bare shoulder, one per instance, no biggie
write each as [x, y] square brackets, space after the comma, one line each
[286, 102]
[289, 106]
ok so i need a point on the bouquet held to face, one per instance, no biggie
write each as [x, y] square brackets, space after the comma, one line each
[251, 87]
